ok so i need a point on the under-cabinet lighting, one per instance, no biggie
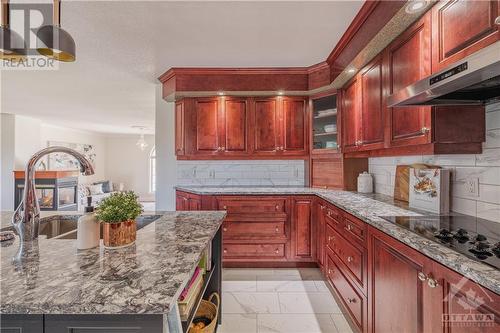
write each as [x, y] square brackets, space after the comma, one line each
[220, 93]
[415, 6]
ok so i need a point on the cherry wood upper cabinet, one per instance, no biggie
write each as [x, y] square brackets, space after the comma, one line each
[207, 126]
[408, 59]
[234, 123]
[351, 123]
[179, 129]
[266, 129]
[294, 132]
[460, 28]
[372, 108]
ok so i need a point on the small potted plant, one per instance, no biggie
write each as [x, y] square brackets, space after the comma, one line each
[118, 213]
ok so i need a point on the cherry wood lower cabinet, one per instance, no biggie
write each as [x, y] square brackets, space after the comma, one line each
[187, 201]
[303, 230]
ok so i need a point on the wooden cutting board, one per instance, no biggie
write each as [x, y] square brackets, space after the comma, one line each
[402, 181]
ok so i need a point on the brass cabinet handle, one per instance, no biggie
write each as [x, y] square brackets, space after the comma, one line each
[277, 251]
[277, 229]
[329, 271]
[421, 276]
[424, 130]
[277, 207]
[349, 227]
[224, 229]
[222, 148]
[432, 283]
[330, 238]
[225, 250]
[322, 207]
[351, 300]
[350, 259]
[224, 207]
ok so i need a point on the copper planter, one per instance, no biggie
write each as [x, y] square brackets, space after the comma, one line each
[119, 234]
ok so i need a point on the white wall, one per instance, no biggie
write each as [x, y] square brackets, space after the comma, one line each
[485, 167]
[166, 164]
[7, 160]
[126, 163]
[27, 139]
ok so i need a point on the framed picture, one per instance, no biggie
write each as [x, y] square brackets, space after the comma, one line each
[62, 161]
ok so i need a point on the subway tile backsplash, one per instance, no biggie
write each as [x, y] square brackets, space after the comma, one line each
[485, 167]
[241, 173]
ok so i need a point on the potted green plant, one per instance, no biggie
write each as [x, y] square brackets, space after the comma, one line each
[118, 213]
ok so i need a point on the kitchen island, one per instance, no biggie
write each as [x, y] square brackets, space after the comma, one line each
[56, 287]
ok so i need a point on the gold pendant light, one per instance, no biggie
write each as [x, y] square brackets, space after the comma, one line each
[55, 42]
[12, 45]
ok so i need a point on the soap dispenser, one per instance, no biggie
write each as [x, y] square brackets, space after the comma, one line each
[88, 232]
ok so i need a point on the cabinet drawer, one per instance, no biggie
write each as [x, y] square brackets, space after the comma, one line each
[256, 251]
[245, 229]
[333, 217]
[355, 229]
[252, 205]
[354, 302]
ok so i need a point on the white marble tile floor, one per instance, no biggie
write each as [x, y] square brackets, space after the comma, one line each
[279, 300]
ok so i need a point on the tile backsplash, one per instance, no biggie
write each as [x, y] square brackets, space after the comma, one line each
[485, 167]
[241, 173]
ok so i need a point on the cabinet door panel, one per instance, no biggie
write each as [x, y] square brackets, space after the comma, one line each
[350, 115]
[302, 227]
[394, 286]
[179, 128]
[461, 28]
[266, 125]
[294, 118]
[408, 59]
[235, 126]
[207, 133]
[372, 111]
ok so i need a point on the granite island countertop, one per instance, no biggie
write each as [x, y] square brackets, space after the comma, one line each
[144, 278]
[369, 208]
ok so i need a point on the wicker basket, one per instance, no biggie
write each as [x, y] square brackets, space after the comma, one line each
[210, 310]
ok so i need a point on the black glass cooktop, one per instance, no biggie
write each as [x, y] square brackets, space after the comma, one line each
[476, 238]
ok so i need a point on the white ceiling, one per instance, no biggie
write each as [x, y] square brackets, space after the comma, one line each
[123, 46]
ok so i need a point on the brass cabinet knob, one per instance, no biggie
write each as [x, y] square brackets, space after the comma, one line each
[322, 207]
[222, 148]
[225, 250]
[277, 229]
[277, 251]
[432, 283]
[349, 227]
[350, 259]
[224, 229]
[351, 300]
[330, 238]
[424, 130]
[421, 276]
[277, 207]
[224, 207]
[329, 271]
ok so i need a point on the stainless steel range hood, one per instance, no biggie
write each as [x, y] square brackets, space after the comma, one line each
[472, 80]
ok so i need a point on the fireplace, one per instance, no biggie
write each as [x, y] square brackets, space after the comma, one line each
[55, 190]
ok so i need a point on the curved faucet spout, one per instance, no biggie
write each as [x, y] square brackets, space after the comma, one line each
[26, 218]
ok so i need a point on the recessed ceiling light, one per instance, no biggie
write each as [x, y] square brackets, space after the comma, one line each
[220, 93]
[280, 92]
[351, 70]
[415, 6]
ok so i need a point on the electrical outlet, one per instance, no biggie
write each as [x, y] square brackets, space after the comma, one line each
[212, 174]
[472, 186]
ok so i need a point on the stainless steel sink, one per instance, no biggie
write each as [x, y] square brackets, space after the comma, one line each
[64, 228]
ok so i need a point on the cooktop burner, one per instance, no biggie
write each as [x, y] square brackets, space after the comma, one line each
[476, 238]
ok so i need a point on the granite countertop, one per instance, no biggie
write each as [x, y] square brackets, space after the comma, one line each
[144, 278]
[369, 208]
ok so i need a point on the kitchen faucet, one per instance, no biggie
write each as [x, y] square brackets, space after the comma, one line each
[26, 218]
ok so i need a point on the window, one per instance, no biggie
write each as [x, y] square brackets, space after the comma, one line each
[152, 170]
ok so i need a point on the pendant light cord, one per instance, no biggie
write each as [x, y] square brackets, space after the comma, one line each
[4, 20]
[56, 13]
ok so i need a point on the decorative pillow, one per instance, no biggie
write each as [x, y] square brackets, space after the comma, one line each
[106, 186]
[95, 189]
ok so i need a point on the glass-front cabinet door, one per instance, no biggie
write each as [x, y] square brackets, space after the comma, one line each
[324, 124]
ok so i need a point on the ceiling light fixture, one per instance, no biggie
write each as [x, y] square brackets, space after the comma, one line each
[53, 41]
[415, 6]
[220, 93]
[351, 70]
[12, 45]
[141, 143]
[280, 93]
